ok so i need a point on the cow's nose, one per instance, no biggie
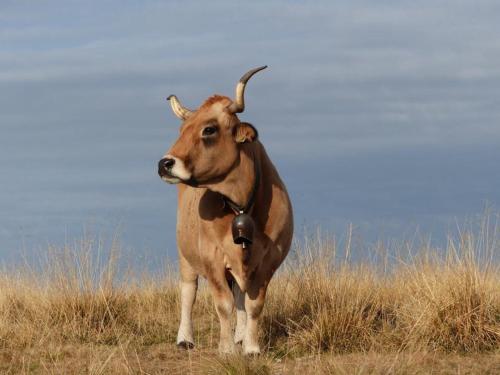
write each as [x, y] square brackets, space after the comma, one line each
[165, 164]
[168, 163]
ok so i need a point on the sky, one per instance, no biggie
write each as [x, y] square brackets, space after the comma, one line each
[382, 114]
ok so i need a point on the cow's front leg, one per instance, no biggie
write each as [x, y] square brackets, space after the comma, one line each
[224, 304]
[188, 295]
[241, 314]
[254, 303]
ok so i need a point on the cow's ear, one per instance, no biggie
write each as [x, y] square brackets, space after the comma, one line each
[245, 132]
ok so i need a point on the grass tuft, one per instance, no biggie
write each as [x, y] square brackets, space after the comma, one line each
[324, 311]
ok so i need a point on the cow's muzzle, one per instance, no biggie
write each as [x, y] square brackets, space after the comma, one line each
[173, 170]
[165, 166]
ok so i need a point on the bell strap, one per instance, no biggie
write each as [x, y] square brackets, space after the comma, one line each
[251, 200]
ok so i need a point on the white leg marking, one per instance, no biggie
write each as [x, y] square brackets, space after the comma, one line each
[224, 307]
[251, 339]
[241, 314]
[251, 342]
[188, 296]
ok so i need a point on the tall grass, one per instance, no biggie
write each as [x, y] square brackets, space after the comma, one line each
[448, 302]
[434, 301]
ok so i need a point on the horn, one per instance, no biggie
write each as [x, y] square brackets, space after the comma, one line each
[180, 111]
[238, 105]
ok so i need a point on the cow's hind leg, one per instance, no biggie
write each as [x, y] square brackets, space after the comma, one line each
[241, 314]
[224, 305]
[189, 286]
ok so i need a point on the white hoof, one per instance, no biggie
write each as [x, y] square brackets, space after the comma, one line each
[184, 336]
[251, 349]
[227, 348]
[185, 345]
[239, 335]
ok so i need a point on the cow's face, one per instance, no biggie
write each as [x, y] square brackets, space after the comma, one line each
[208, 145]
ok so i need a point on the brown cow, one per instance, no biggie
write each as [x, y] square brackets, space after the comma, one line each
[223, 171]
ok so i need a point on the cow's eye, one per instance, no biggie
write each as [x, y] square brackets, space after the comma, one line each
[209, 130]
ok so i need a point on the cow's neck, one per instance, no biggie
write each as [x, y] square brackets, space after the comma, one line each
[239, 184]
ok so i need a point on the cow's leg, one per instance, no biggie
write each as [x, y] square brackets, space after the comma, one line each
[224, 305]
[254, 303]
[189, 286]
[241, 314]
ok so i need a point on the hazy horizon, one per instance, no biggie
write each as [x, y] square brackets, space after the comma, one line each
[385, 115]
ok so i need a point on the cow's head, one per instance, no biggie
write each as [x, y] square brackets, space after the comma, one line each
[210, 139]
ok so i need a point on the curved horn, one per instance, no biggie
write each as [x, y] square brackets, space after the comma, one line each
[180, 111]
[238, 105]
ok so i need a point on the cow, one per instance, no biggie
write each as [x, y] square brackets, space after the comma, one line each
[234, 216]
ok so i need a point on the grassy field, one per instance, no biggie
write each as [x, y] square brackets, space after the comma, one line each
[429, 312]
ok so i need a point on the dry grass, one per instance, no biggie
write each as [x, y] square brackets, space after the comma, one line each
[430, 312]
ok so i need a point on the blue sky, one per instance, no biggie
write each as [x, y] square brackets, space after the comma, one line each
[385, 114]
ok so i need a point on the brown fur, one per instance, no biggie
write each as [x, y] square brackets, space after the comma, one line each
[213, 99]
[225, 166]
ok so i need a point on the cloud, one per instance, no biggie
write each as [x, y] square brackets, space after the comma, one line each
[345, 75]
[84, 84]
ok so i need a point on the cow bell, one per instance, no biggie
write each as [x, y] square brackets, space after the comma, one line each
[243, 228]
